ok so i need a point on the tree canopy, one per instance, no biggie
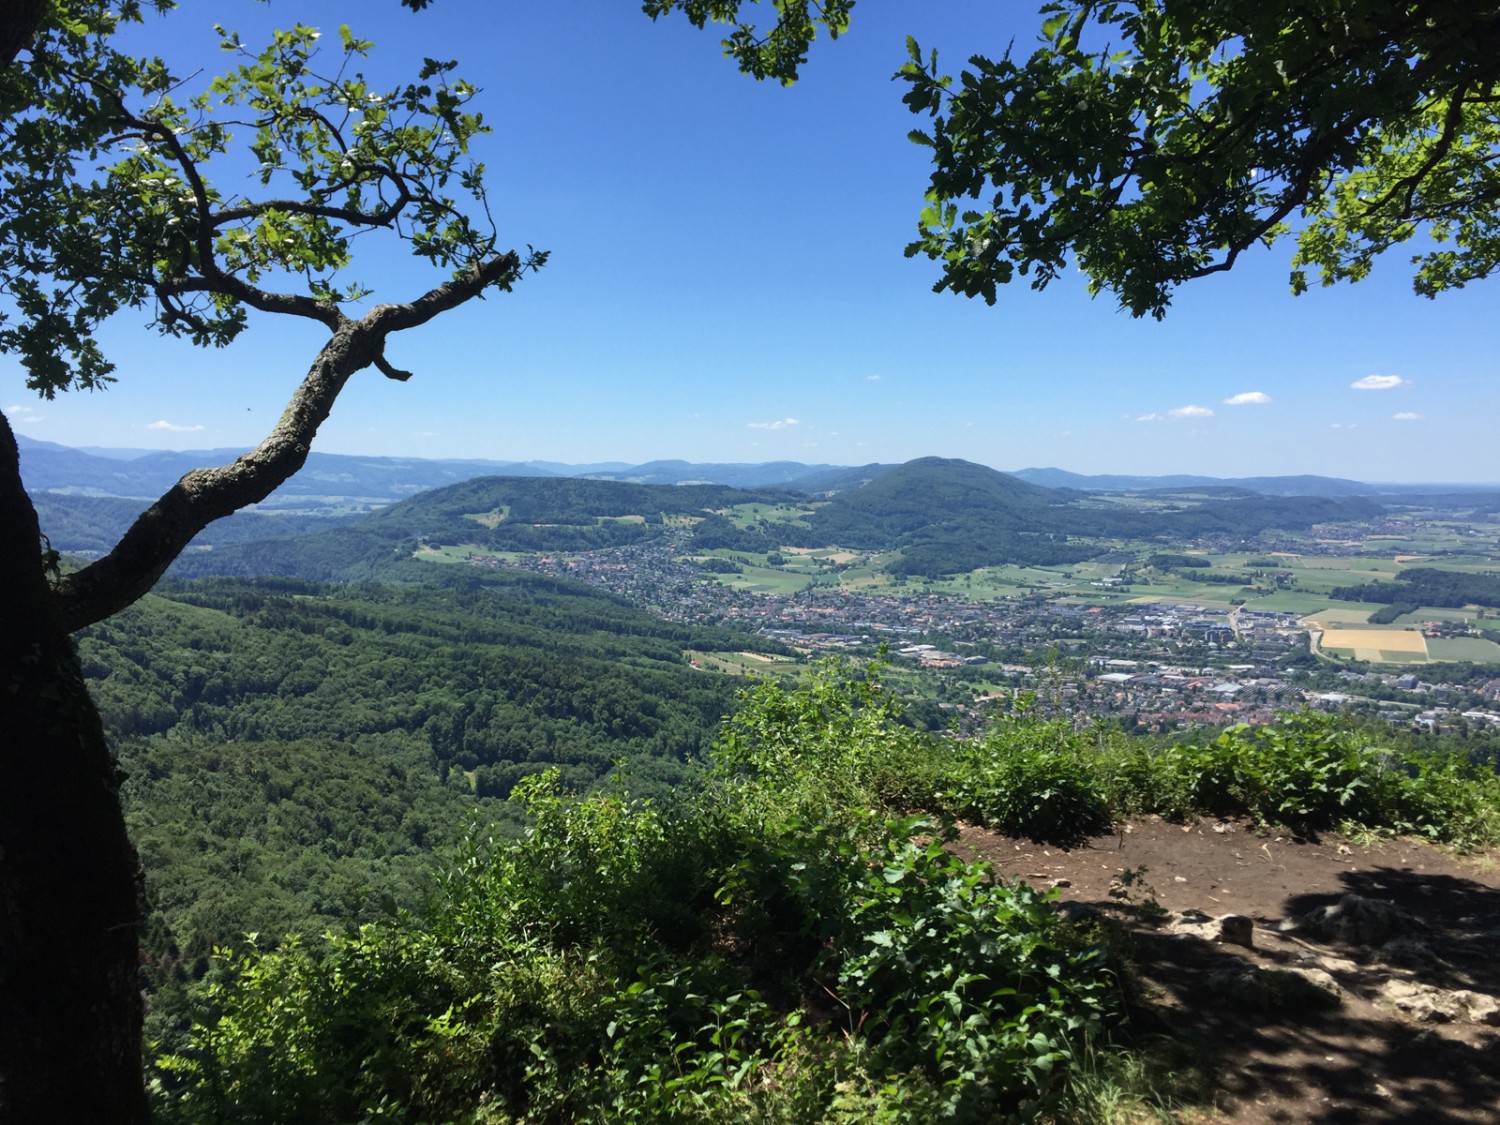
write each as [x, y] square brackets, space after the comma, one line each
[1154, 143]
[1151, 143]
[111, 203]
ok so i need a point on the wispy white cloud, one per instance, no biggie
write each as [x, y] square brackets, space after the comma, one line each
[173, 427]
[1248, 398]
[1406, 416]
[872, 378]
[22, 412]
[1379, 383]
[1343, 425]
[779, 424]
[1177, 413]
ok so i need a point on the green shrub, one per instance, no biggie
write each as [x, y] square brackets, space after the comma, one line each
[976, 984]
[1311, 772]
[1447, 798]
[1031, 778]
[535, 992]
[834, 744]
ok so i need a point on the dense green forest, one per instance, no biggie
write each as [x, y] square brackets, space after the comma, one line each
[295, 752]
[1423, 585]
[1386, 614]
[483, 670]
[1163, 561]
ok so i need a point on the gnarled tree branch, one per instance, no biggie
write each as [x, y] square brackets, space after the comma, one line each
[160, 533]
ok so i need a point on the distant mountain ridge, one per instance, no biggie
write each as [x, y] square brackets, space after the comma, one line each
[342, 480]
[325, 478]
[1305, 484]
[328, 478]
[734, 475]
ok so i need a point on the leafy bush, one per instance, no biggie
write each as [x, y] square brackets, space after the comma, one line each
[604, 867]
[1031, 778]
[977, 985]
[1311, 772]
[835, 744]
[1447, 798]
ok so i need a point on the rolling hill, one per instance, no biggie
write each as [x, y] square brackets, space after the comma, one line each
[938, 516]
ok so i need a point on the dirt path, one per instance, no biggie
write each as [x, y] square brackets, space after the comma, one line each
[1375, 1008]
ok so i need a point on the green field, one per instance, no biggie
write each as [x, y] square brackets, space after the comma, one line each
[1477, 649]
[748, 515]
[1345, 613]
[1378, 656]
[766, 580]
[460, 552]
[1467, 564]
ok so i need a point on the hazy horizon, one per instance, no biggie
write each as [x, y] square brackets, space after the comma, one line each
[623, 463]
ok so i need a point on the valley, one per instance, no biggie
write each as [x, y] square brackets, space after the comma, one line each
[1161, 606]
[309, 720]
[1231, 625]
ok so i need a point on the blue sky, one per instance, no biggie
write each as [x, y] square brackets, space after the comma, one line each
[727, 284]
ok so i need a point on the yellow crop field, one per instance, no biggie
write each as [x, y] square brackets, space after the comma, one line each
[1370, 644]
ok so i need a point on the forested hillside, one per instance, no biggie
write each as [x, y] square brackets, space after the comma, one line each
[942, 516]
[950, 516]
[491, 513]
[294, 753]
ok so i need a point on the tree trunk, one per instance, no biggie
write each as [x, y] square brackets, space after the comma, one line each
[70, 1004]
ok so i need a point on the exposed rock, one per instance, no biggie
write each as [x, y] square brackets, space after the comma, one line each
[1422, 1002]
[1358, 921]
[1479, 1007]
[1276, 990]
[1319, 987]
[1231, 929]
[1336, 964]
[1408, 953]
[1427, 1003]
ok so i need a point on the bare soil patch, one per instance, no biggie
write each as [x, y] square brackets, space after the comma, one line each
[1375, 1008]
